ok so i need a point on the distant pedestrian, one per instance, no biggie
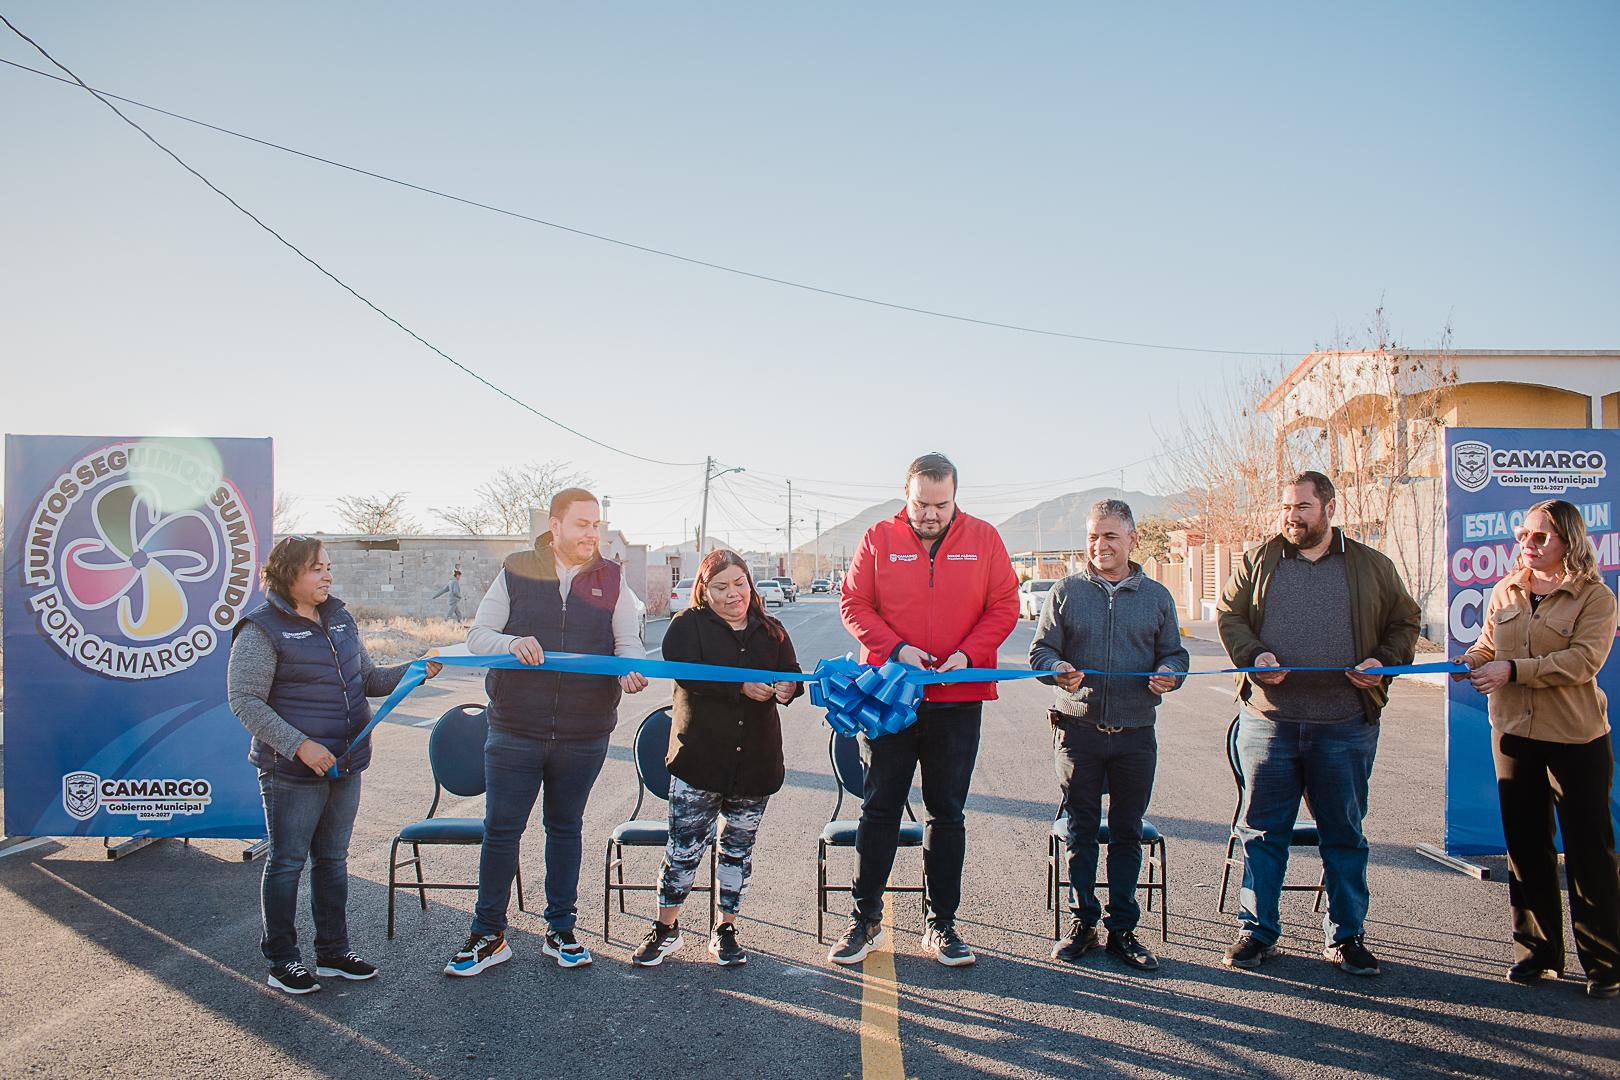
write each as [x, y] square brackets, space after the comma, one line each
[454, 589]
[1547, 631]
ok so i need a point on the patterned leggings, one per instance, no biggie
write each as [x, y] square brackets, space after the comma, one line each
[692, 814]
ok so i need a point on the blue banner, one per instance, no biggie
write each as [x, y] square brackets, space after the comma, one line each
[127, 562]
[1493, 475]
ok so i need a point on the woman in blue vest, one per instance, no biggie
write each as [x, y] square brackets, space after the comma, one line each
[298, 680]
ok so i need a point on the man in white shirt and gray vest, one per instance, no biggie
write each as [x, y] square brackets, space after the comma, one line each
[548, 731]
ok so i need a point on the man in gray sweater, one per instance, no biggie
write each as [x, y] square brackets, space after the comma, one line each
[1108, 617]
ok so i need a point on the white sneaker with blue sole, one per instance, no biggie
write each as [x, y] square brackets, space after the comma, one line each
[560, 945]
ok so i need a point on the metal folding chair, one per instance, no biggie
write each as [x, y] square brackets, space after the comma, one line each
[456, 756]
[652, 778]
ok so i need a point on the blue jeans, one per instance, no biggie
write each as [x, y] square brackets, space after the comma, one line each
[517, 770]
[307, 818]
[945, 743]
[1089, 763]
[1329, 764]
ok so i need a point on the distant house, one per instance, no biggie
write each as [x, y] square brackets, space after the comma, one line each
[1335, 393]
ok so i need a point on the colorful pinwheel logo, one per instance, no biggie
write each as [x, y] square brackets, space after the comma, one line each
[141, 560]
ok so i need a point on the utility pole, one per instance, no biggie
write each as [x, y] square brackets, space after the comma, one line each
[818, 544]
[790, 530]
[703, 522]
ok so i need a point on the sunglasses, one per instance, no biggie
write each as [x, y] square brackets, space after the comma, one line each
[1539, 539]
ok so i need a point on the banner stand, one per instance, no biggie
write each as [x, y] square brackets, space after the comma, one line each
[134, 844]
[255, 850]
[16, 845]
[1451, 862]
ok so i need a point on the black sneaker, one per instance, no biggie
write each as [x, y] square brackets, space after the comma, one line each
[293, 977]
[947, 946]
[347, 966]
[1123, 944]
[1352, 956]
[1080, 940]
[561, 946]
[1248, 952]
[1602, 988]
[861, 938]
[481, 951]
[723, 944]
[1530, 972]
[660, 941]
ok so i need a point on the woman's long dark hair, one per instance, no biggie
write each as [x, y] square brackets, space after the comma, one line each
[720, 560]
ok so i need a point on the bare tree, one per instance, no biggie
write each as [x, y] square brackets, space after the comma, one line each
[1370, 415]
[376, 515]
[505, 500]
[1222, 463]
[511, 493]
[284, 516]
[475, 520]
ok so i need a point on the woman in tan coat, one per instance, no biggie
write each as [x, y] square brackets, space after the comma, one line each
[1548, 629]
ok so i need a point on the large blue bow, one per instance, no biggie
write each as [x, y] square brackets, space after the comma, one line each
[862, 699]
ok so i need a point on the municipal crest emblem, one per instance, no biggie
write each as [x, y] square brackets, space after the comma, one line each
[81, 796]
[1471, 464]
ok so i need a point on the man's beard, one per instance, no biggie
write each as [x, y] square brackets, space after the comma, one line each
[1312, 537]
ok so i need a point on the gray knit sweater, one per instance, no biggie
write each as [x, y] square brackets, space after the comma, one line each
[252, 672]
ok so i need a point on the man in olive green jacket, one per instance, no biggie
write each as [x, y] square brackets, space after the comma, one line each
[1313, 598]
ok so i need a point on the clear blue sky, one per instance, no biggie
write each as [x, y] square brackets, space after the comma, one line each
[1226, 176]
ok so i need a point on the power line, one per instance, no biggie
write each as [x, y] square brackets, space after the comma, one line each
[311, 261]
[629, 244]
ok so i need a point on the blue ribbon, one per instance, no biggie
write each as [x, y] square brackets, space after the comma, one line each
[860, 699]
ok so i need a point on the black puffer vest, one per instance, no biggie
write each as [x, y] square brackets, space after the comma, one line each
[548, 704]
[319, 686]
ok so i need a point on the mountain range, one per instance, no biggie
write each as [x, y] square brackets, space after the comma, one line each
[1056, 524]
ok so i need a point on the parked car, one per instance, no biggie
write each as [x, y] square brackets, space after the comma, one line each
[1031, 595]
[680, 596]
[770, 592]
[790, 587]
[820, 585]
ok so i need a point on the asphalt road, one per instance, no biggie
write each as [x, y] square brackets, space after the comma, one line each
[149, 966]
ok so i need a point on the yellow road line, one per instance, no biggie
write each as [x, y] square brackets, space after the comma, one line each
[880, 1009]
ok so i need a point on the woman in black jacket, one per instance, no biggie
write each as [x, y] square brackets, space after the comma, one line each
[725, 749]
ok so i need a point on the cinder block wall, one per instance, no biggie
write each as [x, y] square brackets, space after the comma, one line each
[388, 576]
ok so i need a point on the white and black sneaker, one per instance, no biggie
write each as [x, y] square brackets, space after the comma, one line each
[561, 946]
[347, 966]
[860, 938]
[723, 944]
[947, 945]
[481, 951]
[662, 940]
[293, 977]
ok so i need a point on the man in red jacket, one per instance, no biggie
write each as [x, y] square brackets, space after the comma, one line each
[931, 587]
